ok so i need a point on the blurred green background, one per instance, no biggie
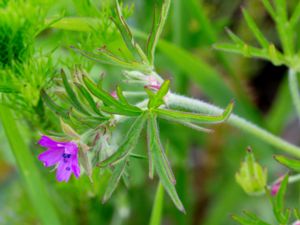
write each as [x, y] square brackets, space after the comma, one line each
[204, 164]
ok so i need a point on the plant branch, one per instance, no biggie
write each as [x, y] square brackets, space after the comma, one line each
[175, 100]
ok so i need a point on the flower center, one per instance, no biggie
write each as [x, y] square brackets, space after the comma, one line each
[66, 156]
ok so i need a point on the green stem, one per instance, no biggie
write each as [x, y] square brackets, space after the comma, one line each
[293, 85]
[35, 187]
[157, 206]
[236, 121]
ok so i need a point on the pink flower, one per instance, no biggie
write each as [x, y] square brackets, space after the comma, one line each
[153, 83]
[64, 155]
[275, 187]
[114, 94]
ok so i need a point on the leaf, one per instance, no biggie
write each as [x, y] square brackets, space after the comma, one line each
[105, 58]
[269, 8]
[114, 180]
[160, 161]
[127, 35]
[295, 16]
[72, 95]
[89, 98]
[129, 144]
[193, 117]
[53, 106]
[290, 163]
[235, 38]
[157, 28]
[121, 96]
[157, 100]
[249, 219]
[255, 30]
[7, 89]
[280, 213]
[114, 106]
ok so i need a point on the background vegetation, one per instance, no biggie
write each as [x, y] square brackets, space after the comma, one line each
[35, 40]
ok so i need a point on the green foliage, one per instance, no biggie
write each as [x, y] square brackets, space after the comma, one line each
[292, 164]
[281, 214]
[129, 143]
[17, 31]
[286, 29]
[158, 161]
[108, 126]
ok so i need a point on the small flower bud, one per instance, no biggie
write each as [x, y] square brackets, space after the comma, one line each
[276, 186]
[69, 130]
[251, 176]
[296, 222]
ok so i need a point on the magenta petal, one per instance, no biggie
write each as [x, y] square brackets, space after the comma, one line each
[50, 143]
[51, 156]
[63, 171]
[76, 168]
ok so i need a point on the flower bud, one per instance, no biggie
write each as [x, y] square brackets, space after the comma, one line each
[69, 130]
[296, 222]
[252, 177]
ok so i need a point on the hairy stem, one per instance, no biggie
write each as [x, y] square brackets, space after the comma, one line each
[198, 106]
[293, 85]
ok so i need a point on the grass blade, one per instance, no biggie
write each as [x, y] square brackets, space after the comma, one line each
[34, 184]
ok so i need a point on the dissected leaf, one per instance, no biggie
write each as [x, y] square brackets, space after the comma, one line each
[112, 104]
[89, 98]
[160, 161]
[157, 27]
[255, 30]
[71, 94]
[127, 35]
